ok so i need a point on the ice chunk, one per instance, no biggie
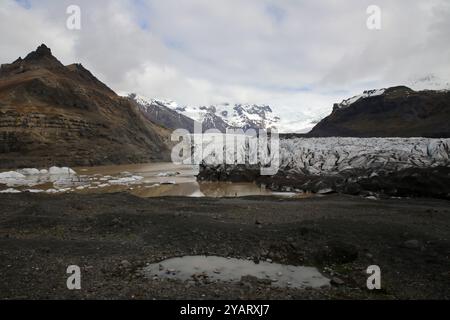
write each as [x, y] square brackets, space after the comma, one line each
[12, 175]
[10, 190]
[12, 178]
[127, 180]
[168, 174]
[52, 191]
[35, 191]
[29, 171]
[61, 171]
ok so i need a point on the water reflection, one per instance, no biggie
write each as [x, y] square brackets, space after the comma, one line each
[143, 180]
[213, 269]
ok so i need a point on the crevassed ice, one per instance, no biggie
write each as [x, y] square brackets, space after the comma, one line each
[331, 155]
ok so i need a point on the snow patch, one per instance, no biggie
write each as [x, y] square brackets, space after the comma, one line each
[366, 94]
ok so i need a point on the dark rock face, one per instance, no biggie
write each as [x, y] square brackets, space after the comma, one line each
[51, 114]
[211, 121]
[398, 112]
[160, 114]
[234, 173]
[41, 52]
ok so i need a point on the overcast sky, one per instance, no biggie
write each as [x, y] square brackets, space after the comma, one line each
[300, 56]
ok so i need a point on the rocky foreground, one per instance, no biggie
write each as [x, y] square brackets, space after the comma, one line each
[112, 237]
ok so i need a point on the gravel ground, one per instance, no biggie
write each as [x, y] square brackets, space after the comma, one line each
[113, 236]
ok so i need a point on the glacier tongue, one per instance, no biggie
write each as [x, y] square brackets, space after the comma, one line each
[333, 155]
[325, 156]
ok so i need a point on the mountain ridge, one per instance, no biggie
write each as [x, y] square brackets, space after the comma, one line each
[158, 112]
[392, 112]
[219, 116]
[51, 114]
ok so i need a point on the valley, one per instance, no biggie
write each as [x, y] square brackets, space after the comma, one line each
[86, 180]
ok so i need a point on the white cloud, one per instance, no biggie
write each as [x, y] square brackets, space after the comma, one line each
[298, 56]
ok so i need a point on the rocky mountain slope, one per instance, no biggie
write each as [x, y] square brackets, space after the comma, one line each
[51, 114]
[219, 116]
[158, 112]
[237, 116]
[393, 112]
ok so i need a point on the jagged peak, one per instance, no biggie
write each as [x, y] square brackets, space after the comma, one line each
[41, 51]
[44, 50]
[42, 54]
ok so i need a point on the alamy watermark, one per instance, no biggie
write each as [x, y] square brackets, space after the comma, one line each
[235, 147]
[74, 280]
[73, 22]
[374, 280]
[374, 20]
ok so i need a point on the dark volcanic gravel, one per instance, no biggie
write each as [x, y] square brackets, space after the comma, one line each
[113, 236]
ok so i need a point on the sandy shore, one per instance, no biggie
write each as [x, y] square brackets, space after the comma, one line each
[113, 236]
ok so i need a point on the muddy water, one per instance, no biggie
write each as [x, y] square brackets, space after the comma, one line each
[168, 179]
[214, 269]
[144, 180]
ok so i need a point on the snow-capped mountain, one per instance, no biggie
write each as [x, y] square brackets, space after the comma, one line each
[392, 112]
[428, 82]
[163, 113]
[240, 116]
[221, 116]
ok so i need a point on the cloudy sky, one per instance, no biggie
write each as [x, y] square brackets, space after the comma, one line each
[300, 56]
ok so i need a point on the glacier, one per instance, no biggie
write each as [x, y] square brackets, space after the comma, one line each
[318, 156]
[328, 156]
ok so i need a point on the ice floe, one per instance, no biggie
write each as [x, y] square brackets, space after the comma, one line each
[126, 180]
[35, 191]
[31, 176]
[168, 174]
[61, 171]
[10, 190]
